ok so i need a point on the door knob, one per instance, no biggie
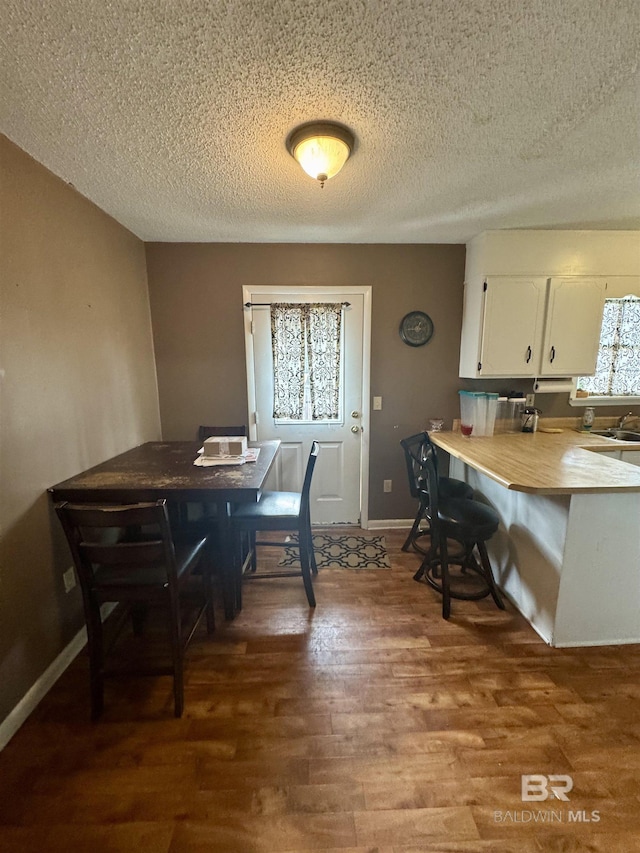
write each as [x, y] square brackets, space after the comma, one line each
[355, 428]
[355, 414]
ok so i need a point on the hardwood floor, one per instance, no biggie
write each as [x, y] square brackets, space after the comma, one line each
[369, 725]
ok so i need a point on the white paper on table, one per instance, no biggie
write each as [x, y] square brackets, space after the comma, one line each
[203, 461]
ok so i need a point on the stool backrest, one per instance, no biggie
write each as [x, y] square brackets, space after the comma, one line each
[429, 477]
[416, 448]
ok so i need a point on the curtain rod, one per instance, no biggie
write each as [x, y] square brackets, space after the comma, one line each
[256, 304]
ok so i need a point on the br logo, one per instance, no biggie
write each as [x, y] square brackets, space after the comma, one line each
[536, 787]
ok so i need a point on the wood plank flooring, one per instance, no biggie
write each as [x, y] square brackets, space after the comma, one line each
[369, 725]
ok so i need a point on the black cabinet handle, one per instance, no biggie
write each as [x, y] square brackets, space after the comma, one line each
[528, 354]
[553, 355]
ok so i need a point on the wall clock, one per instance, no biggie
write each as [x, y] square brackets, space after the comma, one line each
[416, 328]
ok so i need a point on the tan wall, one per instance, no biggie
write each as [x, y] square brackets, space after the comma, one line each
[77, 385]
[196, 306]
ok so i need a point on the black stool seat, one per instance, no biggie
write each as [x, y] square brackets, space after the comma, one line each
[468, 519]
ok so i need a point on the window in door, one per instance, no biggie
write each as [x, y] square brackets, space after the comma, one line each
[307, 345]
[618, 367]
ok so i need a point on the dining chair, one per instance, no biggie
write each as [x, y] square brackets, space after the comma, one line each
[415, 448]
[469, 523]
[127, 554]
[279, 511]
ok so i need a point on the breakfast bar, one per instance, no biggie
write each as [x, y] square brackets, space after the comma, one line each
[567, 553]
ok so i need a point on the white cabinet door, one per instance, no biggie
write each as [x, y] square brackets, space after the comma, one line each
[512, 326]
[572, 328]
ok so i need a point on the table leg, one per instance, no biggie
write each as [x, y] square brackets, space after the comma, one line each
[228, 569]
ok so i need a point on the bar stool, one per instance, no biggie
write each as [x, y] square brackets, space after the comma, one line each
[469, 523]
[415, 448]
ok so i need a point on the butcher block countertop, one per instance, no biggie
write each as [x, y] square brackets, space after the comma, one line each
[545, 463]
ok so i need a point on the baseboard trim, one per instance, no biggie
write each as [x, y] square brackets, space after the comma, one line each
[389, 523]
[43, 685]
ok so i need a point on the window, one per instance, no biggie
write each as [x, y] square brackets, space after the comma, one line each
[618, 366]
[307, 366]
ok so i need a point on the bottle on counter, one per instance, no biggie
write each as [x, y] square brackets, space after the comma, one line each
[587, 418]
[529, 419]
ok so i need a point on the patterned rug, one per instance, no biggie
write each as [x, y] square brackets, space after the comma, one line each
[343, 551]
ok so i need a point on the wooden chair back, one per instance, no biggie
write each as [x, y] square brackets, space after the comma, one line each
[205, 432]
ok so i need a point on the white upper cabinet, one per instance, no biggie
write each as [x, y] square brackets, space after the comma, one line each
[572, 328]
[533, 300]
[534, 326]
[512, 326]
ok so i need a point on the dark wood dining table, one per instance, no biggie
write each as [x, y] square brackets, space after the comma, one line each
[165, 469]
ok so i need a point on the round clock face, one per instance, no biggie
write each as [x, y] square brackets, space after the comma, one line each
[416, 328]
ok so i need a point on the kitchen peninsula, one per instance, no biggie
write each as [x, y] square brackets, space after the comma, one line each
[567, 553]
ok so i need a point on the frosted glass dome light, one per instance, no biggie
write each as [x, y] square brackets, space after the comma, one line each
[321, 148]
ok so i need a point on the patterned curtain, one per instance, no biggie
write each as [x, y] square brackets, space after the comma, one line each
[305, 340]
[323, 353]
[618, 367]
[288, 323]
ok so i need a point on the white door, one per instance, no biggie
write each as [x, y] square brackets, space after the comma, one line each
[339, 487]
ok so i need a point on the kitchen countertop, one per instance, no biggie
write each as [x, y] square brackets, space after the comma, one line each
[545, 463]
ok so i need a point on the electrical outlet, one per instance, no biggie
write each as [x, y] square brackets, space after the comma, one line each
[377, 404]
[530, 399]
[386, 486]
[69, 579]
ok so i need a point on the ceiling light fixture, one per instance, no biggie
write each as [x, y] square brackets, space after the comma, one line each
[321, 147]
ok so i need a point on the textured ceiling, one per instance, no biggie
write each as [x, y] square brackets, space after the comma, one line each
[172, 115]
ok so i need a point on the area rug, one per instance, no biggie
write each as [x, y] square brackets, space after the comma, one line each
[343, 551]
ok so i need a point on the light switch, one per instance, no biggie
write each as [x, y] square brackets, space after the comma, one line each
[377, 404]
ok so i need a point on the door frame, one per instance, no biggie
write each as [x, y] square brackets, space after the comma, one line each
[340, 293]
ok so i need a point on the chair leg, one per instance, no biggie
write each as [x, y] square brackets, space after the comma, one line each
[306, 566]
[445, 580]
[207, 580]
[238, 563]
[486, 565]
[176, 656]
[408, 542]
[96, 659]
[310, 550]
[429, 556]
[252, 546]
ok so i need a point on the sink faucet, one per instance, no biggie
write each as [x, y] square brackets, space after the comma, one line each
[624, 419]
